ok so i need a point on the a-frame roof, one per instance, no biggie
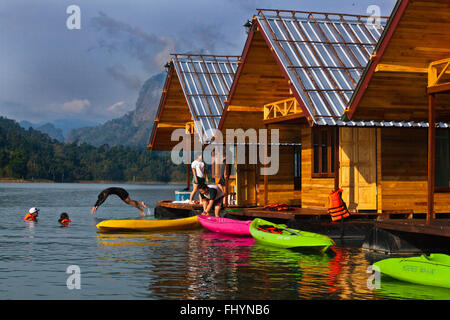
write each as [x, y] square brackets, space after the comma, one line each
[393, 87]
[321, 56]
[204, 82]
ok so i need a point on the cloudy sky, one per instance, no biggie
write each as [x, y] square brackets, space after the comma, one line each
[48, 71]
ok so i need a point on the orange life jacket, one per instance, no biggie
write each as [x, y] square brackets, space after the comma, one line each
[29, 217]
[337, 207]
[65, 221]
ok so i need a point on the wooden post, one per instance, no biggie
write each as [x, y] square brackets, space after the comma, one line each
[336, 158]
[266, 177]
[226, 174]
[379, 173]
[188, 176]
[431, 155]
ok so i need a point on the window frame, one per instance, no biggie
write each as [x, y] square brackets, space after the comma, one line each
[441, 189]
[331, 154]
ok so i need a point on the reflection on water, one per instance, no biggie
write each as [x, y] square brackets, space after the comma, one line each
[395, 289]
[195, 264]
[205, 265]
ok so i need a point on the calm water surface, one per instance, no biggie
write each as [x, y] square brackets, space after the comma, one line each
[172, 265]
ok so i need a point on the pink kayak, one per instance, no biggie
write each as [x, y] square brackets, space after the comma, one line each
[225, 225]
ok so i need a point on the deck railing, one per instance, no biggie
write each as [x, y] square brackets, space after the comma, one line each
[283, 108]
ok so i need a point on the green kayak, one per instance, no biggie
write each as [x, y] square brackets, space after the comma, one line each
[432, 270]
[278, 235]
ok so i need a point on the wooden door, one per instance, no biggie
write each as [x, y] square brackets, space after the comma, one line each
[366, 169]
[246, 176]
[346, 169]
[357, 174]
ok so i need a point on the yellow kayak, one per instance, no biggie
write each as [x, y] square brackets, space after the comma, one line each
[148, 225]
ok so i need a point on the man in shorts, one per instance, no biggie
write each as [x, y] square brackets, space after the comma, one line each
[122, 194]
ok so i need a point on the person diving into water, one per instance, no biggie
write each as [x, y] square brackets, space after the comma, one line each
[122, 194]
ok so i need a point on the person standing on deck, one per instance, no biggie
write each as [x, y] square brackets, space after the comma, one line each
[224, 178]
[122, 194]
[212, 197]
[199, 174]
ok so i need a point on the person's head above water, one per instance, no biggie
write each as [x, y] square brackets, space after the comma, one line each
[34, 211]
[32, 214]
[64, 218]
[64, 215]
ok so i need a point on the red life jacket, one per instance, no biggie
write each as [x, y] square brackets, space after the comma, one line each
[337, 207]
[29, 217]
[65, 221]
[270, 229]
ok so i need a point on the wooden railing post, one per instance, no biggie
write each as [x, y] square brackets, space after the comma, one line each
[431, 155]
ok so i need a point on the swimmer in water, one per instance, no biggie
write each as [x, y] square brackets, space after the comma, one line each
[32, 215]
[64, 219]
[122, 194]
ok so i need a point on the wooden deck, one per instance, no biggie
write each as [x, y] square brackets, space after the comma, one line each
[322, 213]
[187, 206]
[437, 227]
[259, 212]
[181, 206]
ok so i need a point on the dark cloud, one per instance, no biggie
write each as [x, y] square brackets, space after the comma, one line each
[117, 36]
[119, 73]
[48, 71]
[210, 39]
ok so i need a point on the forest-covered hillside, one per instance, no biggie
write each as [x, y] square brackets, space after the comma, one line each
[30, 155]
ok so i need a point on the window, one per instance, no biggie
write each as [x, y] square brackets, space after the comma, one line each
[297, 168]
[442, 160]
[323, 145]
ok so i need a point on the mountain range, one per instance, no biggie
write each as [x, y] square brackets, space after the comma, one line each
[58, 129]
[132, 129]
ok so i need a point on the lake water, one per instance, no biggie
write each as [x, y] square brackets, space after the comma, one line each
[197, 264]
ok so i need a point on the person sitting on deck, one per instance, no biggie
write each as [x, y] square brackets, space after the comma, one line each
[199, 174]
[122, 194]
[212, 197]
[32, 214]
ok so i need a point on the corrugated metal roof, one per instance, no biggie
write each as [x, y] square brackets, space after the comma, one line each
[400, 124]
[206, 81]
[324, 55]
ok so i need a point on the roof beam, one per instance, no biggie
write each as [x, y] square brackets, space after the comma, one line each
[382, 67]
[245, 109]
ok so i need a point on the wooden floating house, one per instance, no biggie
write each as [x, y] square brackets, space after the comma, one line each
[352, 99]
[407, 83]
[192, 99]
[297, 74]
